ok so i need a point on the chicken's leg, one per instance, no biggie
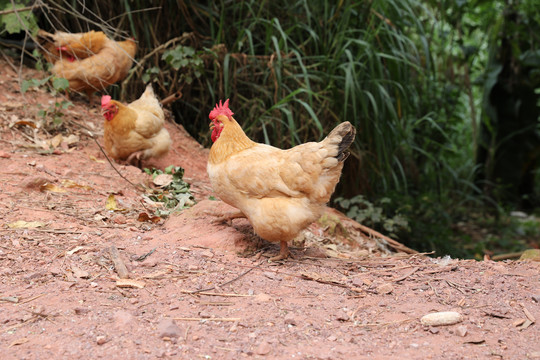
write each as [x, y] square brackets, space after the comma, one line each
[90, 94]
[135, 159]
[283, 252]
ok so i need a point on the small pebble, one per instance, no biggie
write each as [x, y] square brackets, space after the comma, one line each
[290, 319]
[343, 317]
[100, 340]
[385, 288]
[168, 328]
[461, 330]
[81, 311]
[263, 348]
[441, 318]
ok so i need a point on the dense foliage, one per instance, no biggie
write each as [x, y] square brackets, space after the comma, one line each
[409, 74]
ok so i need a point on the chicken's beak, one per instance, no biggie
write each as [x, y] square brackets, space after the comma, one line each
[212, 126]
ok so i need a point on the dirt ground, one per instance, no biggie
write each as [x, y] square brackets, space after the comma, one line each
[199, 290]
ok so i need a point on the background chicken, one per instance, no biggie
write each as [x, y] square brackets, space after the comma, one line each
[135, 132]
[281, 192]
[89, 61]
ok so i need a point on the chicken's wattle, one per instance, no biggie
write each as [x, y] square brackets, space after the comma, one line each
[217, 128]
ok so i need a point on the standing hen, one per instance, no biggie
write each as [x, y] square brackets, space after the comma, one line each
[89, 61]
[135, 132]
[281, 192]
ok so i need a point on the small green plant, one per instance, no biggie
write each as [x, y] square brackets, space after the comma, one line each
[374, 215]
[15, 20]
[54, 112]
[173, 191]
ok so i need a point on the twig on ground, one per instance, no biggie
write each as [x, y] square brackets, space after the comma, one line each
[385, 323]
[215, 294]
[432, 288]
[110, 162]
[391, 242]
[206, 319]
[415, 269]
[513, 255]
[227, 282]
[32, 298]
[19, 325]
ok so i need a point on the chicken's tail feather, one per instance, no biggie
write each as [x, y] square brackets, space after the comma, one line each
[44, 37]
[343, 136]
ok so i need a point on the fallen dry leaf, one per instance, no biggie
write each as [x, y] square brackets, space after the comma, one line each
[163, 180]
[93, 158]
[130, 283]
[72, 184]
[52, 188]
[55, 141]
[145, 217]
[111, 204]
[21, 224]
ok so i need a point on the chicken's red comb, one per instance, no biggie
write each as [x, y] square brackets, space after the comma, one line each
[221, 109]
[105, 100]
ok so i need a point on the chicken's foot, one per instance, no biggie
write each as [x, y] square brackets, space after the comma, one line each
[135, 159]
[284, 252]
[228, 217]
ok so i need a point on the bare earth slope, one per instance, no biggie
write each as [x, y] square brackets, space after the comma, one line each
[196, 290]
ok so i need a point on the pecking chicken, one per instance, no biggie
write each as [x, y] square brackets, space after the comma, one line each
[281, 192]
[135, 132]
[89, 61]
